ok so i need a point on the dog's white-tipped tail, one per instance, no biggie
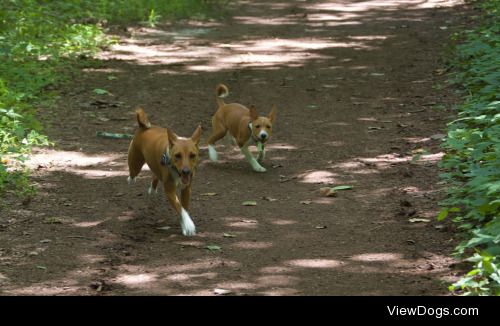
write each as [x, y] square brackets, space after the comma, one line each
[187, 224]
[221, 91]
[212, 153]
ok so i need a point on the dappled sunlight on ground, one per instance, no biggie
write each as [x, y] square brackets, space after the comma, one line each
[252, 245]
[325, 177]
[377, 257]
[314, 263]
[62, 159]
[79, 163]
[139, 280]
[243, 223]
[87, 224]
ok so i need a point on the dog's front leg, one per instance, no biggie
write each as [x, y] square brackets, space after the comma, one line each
[253, 162]
[262, 153]
[185, 196]
[187, 225]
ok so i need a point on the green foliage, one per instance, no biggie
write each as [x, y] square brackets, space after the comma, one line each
[126, 11]
[472, 159]
[41, 41]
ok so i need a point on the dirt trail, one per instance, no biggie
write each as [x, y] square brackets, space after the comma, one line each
[354, 83]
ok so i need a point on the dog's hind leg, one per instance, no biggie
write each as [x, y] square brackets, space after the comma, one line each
[218, 132]
[135, 162]
[153, 186]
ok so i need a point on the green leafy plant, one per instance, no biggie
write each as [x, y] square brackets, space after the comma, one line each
[472, 160]
[153, 18]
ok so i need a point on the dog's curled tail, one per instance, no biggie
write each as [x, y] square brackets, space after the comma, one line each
[142, 118]
[221, 91]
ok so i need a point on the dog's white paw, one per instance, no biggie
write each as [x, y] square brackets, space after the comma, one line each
[258, 168]
[187, 225]
[130, 180]
[212, 153]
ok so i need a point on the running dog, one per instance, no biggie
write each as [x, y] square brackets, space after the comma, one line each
[172, 159]
[245, 126]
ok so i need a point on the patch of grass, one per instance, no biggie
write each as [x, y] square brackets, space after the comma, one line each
[472, 159]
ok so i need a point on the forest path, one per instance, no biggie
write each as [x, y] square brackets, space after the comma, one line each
[354, 83]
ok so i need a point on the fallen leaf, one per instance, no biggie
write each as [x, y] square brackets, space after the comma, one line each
[45, 241]
[228, 235]
[416, 220]
[249, 203]
[100, 91]
[164, 228]
[342, 188]
[327, 192]
[213, 247]
[374, 128]
[52, 220]
[209, 194]
[112, 78]
[320, 227]
[222, 291]
[306, 202]
[41, 267]
[269, 199]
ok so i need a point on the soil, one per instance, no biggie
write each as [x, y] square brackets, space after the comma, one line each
[362, 101]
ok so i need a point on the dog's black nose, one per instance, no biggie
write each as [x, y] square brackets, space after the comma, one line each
[263, 136]
[185, 171]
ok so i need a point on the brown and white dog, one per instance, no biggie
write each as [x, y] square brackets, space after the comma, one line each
[245, 126]
[171, 158]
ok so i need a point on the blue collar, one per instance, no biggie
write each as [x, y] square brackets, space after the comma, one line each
[167, 162]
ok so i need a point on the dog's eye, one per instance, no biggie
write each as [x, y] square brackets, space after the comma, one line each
[268, 127]
[192, 156]
[178, 156]
[257, 126]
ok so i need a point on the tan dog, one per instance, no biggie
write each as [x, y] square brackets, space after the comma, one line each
[243, 124]
[171, 158]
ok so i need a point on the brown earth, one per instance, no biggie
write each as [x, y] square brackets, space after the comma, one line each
[356, 84]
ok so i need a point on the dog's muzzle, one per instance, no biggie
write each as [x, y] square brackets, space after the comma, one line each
[185, 176]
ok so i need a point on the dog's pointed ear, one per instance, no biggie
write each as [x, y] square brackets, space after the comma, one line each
[253, 113]
[272, 114]
[172, 137]
[195, 137]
